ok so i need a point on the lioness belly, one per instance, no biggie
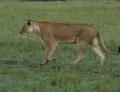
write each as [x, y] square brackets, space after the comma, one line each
[67, 40]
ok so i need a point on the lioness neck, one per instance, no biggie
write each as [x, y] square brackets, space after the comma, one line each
[36, 28]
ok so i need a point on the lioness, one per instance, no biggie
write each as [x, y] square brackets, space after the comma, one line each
[54, 33]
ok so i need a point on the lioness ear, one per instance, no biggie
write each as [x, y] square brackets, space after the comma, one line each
[29, 22]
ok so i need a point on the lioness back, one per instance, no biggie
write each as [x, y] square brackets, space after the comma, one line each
[70, 32]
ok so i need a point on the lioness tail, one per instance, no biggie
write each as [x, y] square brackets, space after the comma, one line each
[106, 49]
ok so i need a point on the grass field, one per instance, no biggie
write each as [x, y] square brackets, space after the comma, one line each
[20, 58]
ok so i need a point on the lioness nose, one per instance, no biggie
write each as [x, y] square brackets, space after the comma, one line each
[22, 33]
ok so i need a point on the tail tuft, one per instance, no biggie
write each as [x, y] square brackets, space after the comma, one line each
[119, 49]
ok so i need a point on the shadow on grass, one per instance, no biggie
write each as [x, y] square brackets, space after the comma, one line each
[8, 62]
[50, 67]
[81, 68]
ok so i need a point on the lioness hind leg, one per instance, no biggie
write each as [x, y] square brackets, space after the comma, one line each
[49, 52]
[81, 51]
[97, 50]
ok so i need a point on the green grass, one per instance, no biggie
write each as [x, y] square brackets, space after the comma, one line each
[27, 76]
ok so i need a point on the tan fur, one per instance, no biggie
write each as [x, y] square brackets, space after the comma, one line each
[53, 34]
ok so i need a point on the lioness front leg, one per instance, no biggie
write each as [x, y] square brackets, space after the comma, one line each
[49, 51]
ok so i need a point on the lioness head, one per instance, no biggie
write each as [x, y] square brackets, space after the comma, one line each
[27, 28]
[30, 27]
